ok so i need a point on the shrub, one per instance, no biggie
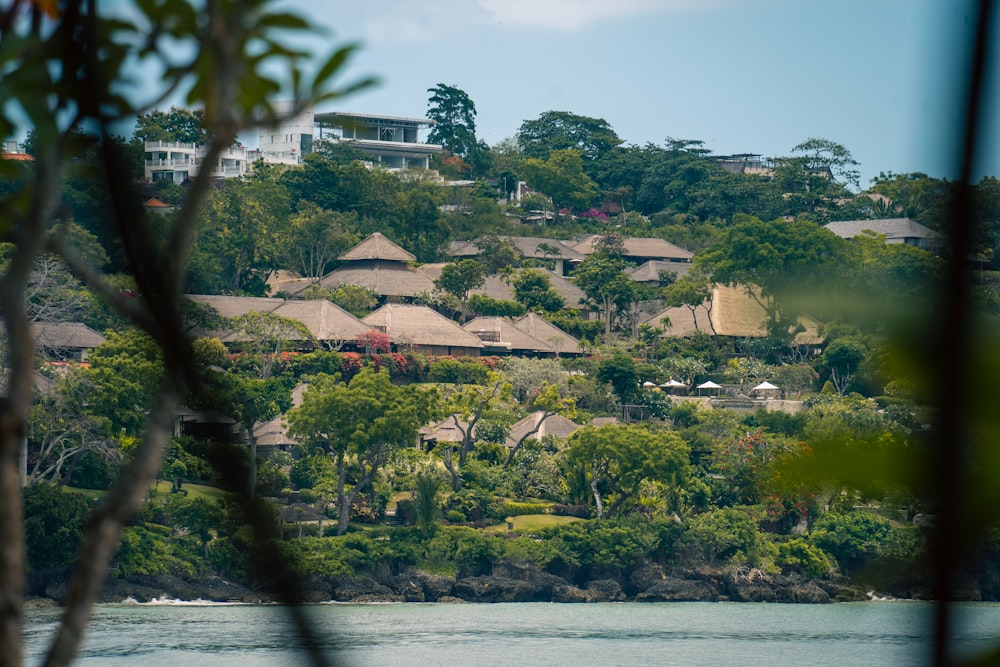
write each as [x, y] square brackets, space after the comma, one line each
[503, 509]
[454, 516]
[799, 555]
[579, 511]
[457, 372]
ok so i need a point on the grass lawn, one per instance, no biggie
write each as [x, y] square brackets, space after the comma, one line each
[163, 491]
[531, 522]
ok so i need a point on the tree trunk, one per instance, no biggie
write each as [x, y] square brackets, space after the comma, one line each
[343, 502]
[597, 494]
[449, 464]
[252, 480]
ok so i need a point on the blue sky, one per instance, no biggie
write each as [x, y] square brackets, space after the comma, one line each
[881, 77]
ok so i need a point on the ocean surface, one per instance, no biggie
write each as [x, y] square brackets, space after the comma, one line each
[580, 635]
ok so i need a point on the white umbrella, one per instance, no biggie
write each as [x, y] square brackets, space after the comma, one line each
[673, 383]
[647, 383]
[764, 385]
[708, 385]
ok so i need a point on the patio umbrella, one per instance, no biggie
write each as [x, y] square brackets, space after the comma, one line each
[764, 385]
[708, 385]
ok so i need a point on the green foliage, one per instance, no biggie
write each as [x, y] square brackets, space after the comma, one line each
[723, 534]
[556, 131]
[308, 471]
[457, 371]
[53, 525]
[355, 299]
[507, 508]
[853, 537]
[454, 116]
[800, 555]
[471, 551]
[480, 304]
[533, 288]
[561, 176]
[617, 459]
[620, 372]
[425, 502]
[145, 550]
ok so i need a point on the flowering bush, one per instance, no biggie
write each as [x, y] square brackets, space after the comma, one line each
[374, 341]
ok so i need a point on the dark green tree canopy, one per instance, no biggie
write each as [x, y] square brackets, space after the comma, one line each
[178, 124]
[561, 130]
[454, 116]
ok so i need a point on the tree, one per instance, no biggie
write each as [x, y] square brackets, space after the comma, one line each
[842, 358]
[243, 228]
[316, 237]
[62, 427]
[454, 116]
[64, 70]
[619, 458]
[425, 495]
[551, 403]
[823, 154]
[361, 424]
[533, 288]
[265, 335]
[619, 371]
[561, 130]
[692, 292]
[460, 278]
[177, 125]
[497, 253]
[470, 402]
[775, 262]
[561, 176]
[601, 279]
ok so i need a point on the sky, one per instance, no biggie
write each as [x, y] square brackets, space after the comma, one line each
[881, 77]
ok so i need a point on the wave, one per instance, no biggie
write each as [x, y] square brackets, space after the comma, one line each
[166, 601]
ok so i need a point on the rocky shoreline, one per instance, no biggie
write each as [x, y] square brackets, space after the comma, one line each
[648, 583]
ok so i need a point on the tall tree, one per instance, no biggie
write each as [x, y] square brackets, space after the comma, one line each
[617, 459]
[243, 228]
[460, 278]
[361, 424]
[776, 261]
[561, 130]
[561, 176]
[316, 237]
[454, 115]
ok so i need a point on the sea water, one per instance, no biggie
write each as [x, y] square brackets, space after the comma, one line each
[580, 635]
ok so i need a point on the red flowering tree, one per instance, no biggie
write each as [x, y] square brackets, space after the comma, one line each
[374, 342]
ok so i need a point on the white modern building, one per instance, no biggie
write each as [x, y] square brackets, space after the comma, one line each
[177, 161]
[391, 141]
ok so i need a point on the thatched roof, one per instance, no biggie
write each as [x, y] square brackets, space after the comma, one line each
[377, 246]
[733, 313]
[449, 429]
[65, 335]
[386, 278]
[419, 325]
[498, 332]
[235, 306]
[560, 341]
[556, 425]
[527, 245]
[639, 247]
[895, 230]
[649, 272]
[325, 320]
[273, 433]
